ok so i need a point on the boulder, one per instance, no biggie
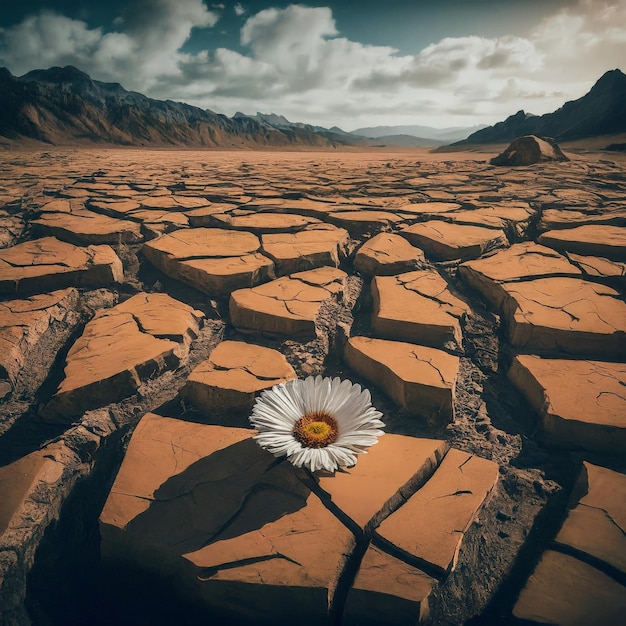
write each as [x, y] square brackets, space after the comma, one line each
[529, 150]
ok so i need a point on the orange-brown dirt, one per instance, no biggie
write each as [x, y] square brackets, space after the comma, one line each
[147, 296]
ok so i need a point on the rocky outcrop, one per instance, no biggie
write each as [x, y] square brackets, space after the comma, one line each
[529, 150]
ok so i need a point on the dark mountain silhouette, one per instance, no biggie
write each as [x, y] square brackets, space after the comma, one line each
[602, 111]
[65, 106]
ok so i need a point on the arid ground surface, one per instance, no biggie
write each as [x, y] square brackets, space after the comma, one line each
[147, 296]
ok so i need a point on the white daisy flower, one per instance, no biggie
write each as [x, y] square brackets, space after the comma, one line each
[319, 423]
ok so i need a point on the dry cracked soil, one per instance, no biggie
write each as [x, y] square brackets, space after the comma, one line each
[148, 297]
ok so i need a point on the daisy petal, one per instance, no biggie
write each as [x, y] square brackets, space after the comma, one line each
[345, 406]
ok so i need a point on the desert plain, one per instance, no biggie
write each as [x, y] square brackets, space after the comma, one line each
[147, 297]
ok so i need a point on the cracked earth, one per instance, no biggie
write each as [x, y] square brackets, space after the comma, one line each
[147, 298]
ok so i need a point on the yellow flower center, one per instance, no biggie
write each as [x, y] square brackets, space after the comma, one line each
[317, 429]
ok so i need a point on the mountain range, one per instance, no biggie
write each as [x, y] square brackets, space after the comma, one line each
[63, 105]
[601, 111]
[437, 136]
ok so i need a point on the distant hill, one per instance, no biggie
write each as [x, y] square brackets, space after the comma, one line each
[434, 136]
[602, 111]
[406, 141]
[63, 105]
[280, 122]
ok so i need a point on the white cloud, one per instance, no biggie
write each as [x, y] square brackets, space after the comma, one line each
[47, 39]
[239, 9]
[295, 62]
[147, 49]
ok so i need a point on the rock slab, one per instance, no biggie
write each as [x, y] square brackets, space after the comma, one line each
[233, 374]
[430, 527]
[212, 260]
[387, 254]
[417, 307]
[48, 264]
[445, 241]
[314, 246]
[582, 404]
[581, 580]
[288, 305]
[556, 316]
[121, 347]
[522, 261]
[24, 324]
[604, 241]
[596, 523]
[420, 379]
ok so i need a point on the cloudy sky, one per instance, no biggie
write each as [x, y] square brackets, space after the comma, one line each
[349, 63]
